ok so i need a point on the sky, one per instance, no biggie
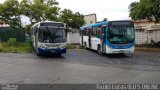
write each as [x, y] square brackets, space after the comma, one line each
[111, 9]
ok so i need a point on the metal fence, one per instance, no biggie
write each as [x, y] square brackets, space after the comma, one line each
[7, 32]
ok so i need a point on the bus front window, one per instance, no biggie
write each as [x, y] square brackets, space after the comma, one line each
[120, 34]
[51, 35]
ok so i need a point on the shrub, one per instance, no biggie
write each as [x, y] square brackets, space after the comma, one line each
[81, 47]
[1, 47]
[71, 47]
[12, 41]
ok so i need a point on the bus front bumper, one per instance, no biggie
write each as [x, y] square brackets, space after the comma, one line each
[112, 51]
[51, 51]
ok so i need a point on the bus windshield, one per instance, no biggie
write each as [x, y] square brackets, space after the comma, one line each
[120, 34]
[51, 35]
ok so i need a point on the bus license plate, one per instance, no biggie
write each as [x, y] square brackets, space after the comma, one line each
[123, 51]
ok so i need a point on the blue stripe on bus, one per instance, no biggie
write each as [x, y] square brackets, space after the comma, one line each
[94, 25]
[120, 46]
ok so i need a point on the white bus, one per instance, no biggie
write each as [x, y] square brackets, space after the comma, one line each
[109, 37]
[49, 38]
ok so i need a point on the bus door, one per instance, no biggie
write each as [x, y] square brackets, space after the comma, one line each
[81, 31]
[103, 36]
[89, 37]
[36, 38]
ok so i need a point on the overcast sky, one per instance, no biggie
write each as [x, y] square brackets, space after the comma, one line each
[111, 9]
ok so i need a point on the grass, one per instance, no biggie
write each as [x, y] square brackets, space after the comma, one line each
[19, 48]
[5, 47]
[69, 46]
[81, 47]
[72, 46]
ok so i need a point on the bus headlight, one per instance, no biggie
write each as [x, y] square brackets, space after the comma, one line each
[62, 47]
[41, 46]
[109, 47]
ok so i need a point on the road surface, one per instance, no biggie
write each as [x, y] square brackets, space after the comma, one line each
[80, 67]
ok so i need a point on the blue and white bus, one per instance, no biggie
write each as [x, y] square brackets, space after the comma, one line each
[109, 37]
[49, 37]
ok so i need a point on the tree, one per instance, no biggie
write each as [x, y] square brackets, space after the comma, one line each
[10, 13]
[40, 10]
[73, 20]
[78, 20]
[145, 9]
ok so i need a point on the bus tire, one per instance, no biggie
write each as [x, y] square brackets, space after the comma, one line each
[37, 53]
[99, 49]
[59, 54]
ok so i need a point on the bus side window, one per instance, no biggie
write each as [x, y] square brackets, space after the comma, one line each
[99, 31]
[94, 31]
[91, 31]
[87, 31]
[84, 31]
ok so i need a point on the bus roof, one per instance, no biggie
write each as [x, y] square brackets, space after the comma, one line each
[94, 25]
[103, 23]
[38, 23]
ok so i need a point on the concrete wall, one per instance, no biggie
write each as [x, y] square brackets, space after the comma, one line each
[145, 36]
[146, 31]
[73, 38]
[140, 37]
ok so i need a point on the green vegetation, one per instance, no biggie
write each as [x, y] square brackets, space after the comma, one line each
[37, 10]
[73, 20]
[40, 10]
[8, 32]
[6, 47]
[72, 46]
[10, 13]
[69, 46]
[12, 46]
[1, 47]
[20, 48]
[12, 42]
[81, 47]
[145, 9]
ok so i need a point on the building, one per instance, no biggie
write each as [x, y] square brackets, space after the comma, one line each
[90, 18]
[3, 24]
[146, 31]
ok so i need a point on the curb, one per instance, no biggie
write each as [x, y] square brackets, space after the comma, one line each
[148, 49]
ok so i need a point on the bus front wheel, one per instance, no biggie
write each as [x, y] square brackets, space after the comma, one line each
[36, 51]
[59, 54]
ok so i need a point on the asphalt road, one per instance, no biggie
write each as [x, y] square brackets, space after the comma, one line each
[80, 67]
